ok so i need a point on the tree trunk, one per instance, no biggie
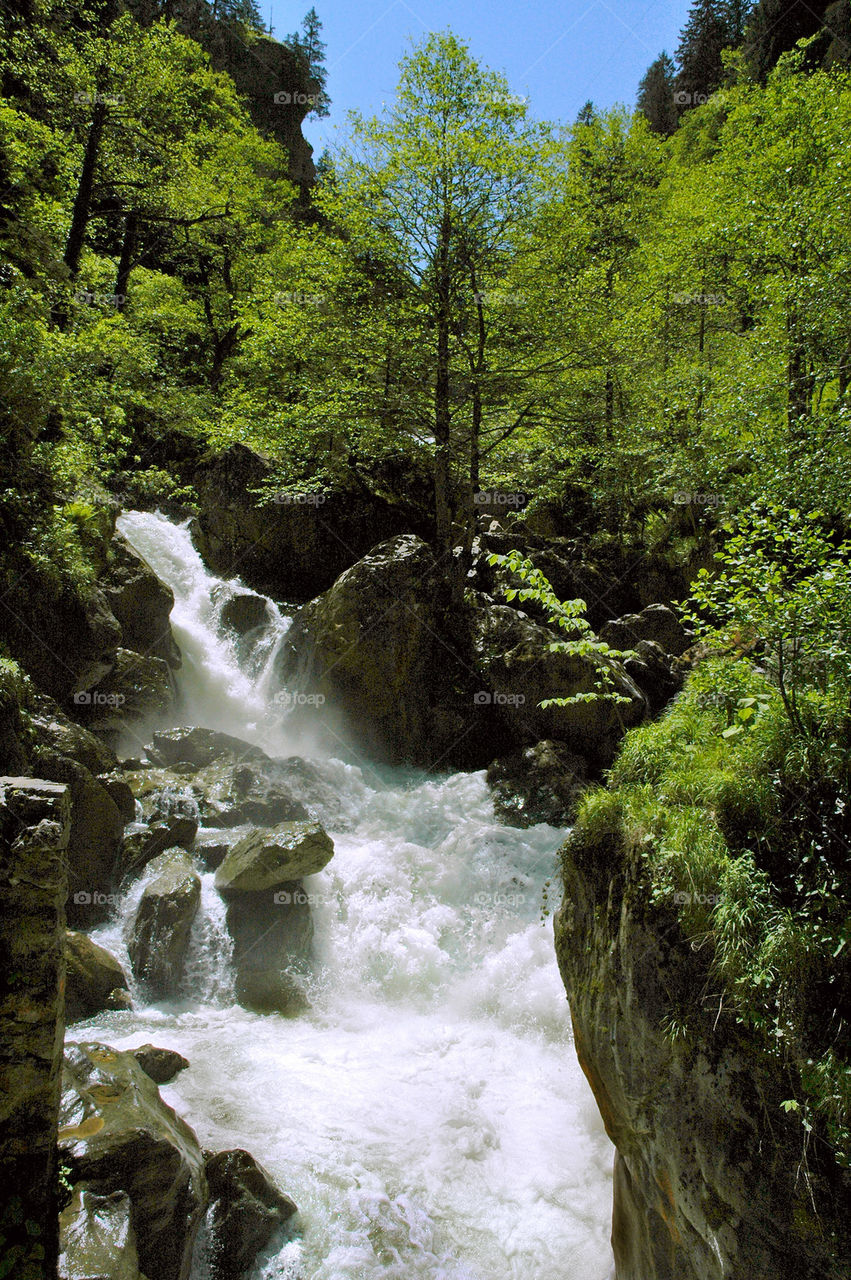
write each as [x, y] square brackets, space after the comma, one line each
[442, 415]
[127, 260]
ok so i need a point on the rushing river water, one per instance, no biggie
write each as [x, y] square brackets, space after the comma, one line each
[427, 1114]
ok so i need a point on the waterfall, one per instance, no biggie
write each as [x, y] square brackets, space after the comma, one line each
[427, 1113]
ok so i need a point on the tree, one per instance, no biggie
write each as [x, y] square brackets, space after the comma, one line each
[440, 189]
[311, 48]
[656, 95]
[700, 68]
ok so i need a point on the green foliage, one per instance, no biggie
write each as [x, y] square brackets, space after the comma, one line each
[568, 616]
[784, 590]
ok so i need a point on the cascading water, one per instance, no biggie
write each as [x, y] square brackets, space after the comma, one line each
[427, 1114]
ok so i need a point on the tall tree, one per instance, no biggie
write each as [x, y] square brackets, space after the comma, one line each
[310, 46]
[700, 68]
[447, 176]
[656, 95]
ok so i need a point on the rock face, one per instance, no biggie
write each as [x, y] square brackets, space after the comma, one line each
[707, 1166]
[199, 747]
[657, 623]
[287, 549]
[515, 659]
[163, 923]
[540, 784]
[141, 603]
[97, 832]
[138, 688]
[94, 979]
[267, 859]
[117, 1135]
[97, 1240]
[66, 639]
[246, 1209]
[35, 823]
[373, 646]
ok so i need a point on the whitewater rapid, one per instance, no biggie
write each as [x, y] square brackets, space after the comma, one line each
[427, 1113]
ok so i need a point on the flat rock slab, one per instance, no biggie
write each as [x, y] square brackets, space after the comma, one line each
[269, 857]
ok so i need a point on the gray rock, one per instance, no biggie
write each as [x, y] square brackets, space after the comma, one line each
[272, 934]
[117, 1134]
[199, 746]
[246, 1209]
[97, 1240]
[138, 688]
[162, 1065]
[161, 930]
[267, 859]
[140, 602]
[119, 789]
[657, 623]
[141, 847]
[244, 613]
[540, 784]
[35, 822]
[94, 979]
[97, 833]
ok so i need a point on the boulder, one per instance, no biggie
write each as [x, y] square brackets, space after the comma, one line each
[292, 548]
[94, 979]
[138, 688]
[57, 734]
[655, 674]
[243, 613]
[96, 1237]
[519, 671]
[64, 636]
[97, 833]
[539, 784]
[141, 847]
[375, 647]
[246, 1209]
[141, 603]
[230, 795]
[162, 1065]
[272, 933]
[212, 855]
[118, 788]
[267, 859]
[161, 931]
[657, 623]
[117, 1134]
[199, 747]
[35, 824]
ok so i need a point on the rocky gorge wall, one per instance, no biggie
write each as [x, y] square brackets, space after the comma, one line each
[712, 1179]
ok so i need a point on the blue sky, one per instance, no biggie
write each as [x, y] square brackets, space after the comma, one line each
[559, 55]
